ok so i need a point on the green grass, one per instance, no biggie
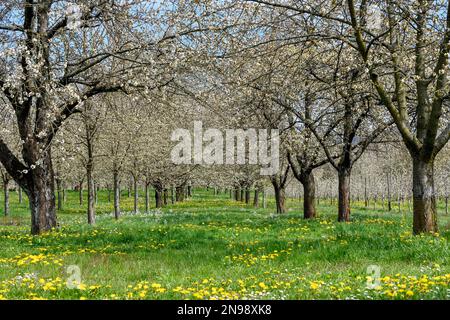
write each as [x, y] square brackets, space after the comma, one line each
[210, 247]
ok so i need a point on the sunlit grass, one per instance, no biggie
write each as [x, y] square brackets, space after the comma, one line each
[210, 247]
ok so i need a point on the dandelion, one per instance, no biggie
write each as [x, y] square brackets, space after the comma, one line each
[198, 295]
[142, 294]
[263, 286]
[314, 285]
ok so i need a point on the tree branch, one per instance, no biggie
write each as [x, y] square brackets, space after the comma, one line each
[13, 166]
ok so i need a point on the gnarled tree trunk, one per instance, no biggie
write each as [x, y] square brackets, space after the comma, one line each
[344, 195]
[41, 195]
[280, 199]
[424, 201]
[309, 194]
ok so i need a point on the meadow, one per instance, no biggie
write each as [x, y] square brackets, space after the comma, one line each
[211, 247]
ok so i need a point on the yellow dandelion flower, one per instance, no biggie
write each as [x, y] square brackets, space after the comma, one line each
[263, 286]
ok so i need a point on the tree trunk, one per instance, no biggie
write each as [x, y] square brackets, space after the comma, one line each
[136, 195]
[375, 199]
[165, 196]
[91, 194]
[116, 189]
[19, 192]
[280, 197]
[388, 179]
[446, 200]
[446, 204]
[41, 194]
[59, 195]
[189, 191]
[80, 193]
[309, 194]
[179, 193]
[344, 195]
[172, 195]
[247, 195]
[158, 197]
[147, 200]
[424, 202]
[409, 204]
[238, 194]
[256, 198]
[264, 198]
[6, 195]
[366, 199]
